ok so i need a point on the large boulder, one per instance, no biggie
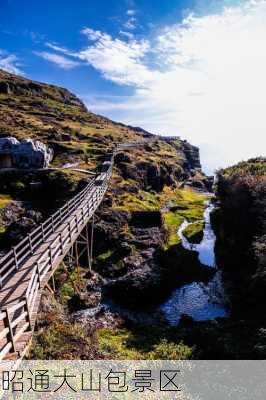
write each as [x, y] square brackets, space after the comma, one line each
[24, 154]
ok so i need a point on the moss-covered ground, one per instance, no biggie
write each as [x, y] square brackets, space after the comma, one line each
[62, 339]
[57, 118]
[194, 232]
[4, 200]
[187, 204]
[143, 343]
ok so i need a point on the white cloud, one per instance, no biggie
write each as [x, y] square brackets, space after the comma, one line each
[128, 35]
[131, 12]
[57, 48]
[202, 79]
[94, 35]
[207, 82]
[118, 60]
[131, 23]
[10, 63]
[61, 61]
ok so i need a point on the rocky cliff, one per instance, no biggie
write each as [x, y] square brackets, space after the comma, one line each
[137, 254]
[241, 230]
[51, 114]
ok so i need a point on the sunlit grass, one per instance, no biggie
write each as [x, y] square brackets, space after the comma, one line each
[189, 205]
[150, 343]
[194, 232]
[4, 200]
[172, 221]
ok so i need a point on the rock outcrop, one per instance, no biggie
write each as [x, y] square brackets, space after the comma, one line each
[24, 154]
[241, 230]
[136, 250]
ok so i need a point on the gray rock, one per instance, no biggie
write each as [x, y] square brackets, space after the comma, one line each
[24, 154]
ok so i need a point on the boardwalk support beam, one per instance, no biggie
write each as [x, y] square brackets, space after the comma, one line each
[27, 268]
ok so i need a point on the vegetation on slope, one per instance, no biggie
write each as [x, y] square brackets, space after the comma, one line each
[187, 204]
[149, 179]
[255, 167]
[194, 232]
[4, 200]
[241, 190]
[143, 343]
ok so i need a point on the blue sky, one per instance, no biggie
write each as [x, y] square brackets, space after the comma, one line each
[28, 25]
[193, 68]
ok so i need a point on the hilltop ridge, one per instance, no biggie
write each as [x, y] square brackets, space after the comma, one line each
[137, 253]
[59, 118]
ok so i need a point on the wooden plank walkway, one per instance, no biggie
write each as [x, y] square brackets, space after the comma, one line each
[27, 268]
[21, 286]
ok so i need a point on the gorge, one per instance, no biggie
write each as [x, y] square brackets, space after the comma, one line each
[155, 291]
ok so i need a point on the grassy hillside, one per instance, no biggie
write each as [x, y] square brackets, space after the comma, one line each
[151, 192]
[55, 116]
[59, 118]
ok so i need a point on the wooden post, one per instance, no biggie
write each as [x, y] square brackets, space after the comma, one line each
[88, 247]
[53, 282]
[78, 268]
[52, 223]
[77, 224]
[15, 258]
[11, 336]
[49, 288]
[69, 228]
[43, 236]
[91, 243]
[82, 213]
[38, 272]
[61, 243]
[76, 254]
[30, 242]
[28, 312]
[50, 255]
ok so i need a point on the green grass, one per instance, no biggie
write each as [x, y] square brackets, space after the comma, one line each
[106, 255]
[147, 343]
[191, 203]
[188, 204]
[60, 340]
[253, 167]
[172, 221]
[4, 200]
[142, 201]
[67, 289]
[194, 232]
[66, 292]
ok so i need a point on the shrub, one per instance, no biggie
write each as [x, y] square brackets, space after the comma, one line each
[170, 351]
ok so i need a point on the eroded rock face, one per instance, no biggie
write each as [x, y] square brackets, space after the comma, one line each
[192, 155]
[24, 154]
[146, 219]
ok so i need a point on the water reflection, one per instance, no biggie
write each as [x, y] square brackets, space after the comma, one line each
[206, 247]
[198, 300]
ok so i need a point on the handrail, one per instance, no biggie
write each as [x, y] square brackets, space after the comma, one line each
[60, 231]
[14, 262]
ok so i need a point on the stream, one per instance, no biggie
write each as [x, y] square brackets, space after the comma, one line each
[201, 301]
[198, 300]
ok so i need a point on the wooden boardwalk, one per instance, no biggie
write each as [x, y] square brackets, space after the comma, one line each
[27, 268]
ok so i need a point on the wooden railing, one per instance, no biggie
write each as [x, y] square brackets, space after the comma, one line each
[61, 230]
[43, 250]
[16, 257]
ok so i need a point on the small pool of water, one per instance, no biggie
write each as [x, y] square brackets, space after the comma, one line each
[199, 300]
